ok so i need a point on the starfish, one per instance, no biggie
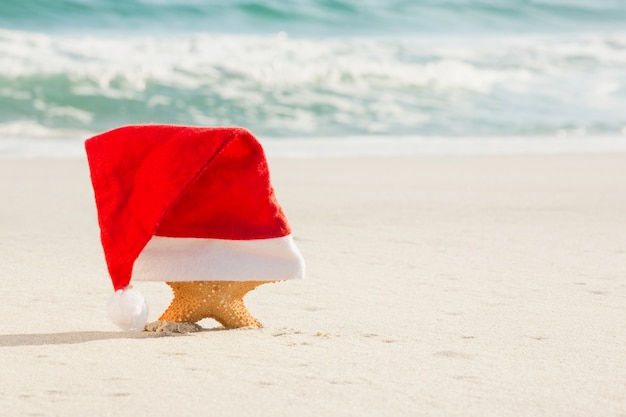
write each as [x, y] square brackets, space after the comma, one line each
[219, 300]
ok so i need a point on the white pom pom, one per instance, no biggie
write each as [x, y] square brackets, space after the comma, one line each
[127, 308]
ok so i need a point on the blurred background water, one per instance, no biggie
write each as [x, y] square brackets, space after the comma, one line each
[326, 71]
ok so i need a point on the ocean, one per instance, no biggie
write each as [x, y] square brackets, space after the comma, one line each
[384, 76]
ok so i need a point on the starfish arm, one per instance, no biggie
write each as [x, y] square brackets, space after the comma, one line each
[219, 300]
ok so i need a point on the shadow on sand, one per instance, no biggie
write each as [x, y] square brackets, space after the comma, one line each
[69, 338]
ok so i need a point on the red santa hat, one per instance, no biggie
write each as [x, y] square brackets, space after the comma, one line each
[180, 203]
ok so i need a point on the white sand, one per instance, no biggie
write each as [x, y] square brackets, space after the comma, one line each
[437, 286]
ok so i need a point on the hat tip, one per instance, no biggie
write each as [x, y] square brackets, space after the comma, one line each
[127, 309]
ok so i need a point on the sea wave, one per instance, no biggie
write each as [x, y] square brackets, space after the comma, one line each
[281, 86]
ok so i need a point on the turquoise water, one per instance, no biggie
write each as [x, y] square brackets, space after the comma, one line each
[314, 17]
[315, 69]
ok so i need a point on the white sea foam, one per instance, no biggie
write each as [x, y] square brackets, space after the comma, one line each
[348, 65]
[283, 86]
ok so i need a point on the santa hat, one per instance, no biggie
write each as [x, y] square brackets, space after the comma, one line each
[180, 203]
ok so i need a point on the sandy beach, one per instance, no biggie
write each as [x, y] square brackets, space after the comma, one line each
[436, 286]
